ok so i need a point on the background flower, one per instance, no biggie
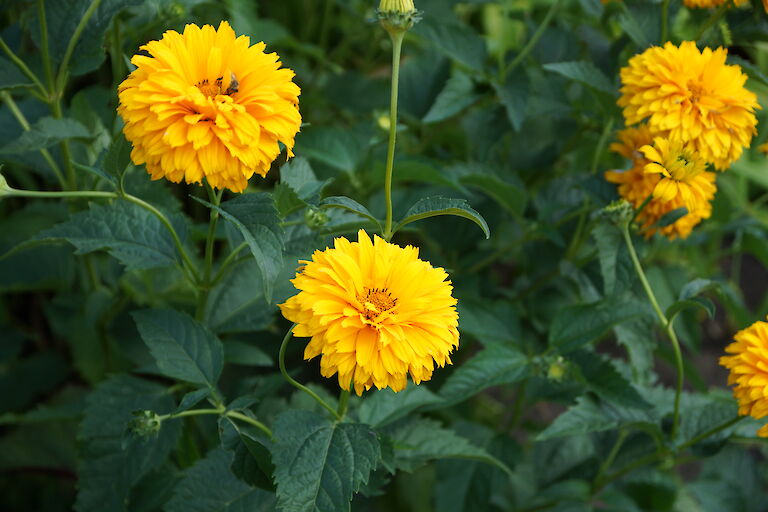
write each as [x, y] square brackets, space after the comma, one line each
[692, 97]
[205, 104]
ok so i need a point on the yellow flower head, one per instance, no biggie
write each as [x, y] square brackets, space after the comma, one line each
[207, 104]
[398, 6]
[748, 365]
[635, 185]
[692, 97]
[683, 174]
[708, 4]
[375, 313]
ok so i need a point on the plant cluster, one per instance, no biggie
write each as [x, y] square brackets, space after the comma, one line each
[511, 241]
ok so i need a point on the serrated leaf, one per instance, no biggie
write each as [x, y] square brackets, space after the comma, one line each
[491, 367]
[320, 464]
[436, 205]
[509, 196]
[127, 231]
[608, 240]
[118, 156]
[210, 486]
[385, 406]
[299, 176]
[45, 133]
[601, 376]
[641, 23]
[349, 205]
[420, 440]
[701, 413]
[340, 148]
[236, 303]
[182, 348]
[584, 72]
[191, 399]
[255, 218]
[457, 41]
[580, 324]
[253, 461]
[589, 414]
[513, 94]
[107, 470]
[457, 95]
[287, 201]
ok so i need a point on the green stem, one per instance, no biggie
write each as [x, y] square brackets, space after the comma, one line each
[252, 421]
[664, 21]
[531, 42]
[666, 324]
[44, 48]
[281, 362]
[210, 241]
[714, 18]
[397, 44]
[19, 115]
[192, 412]
[607, 129]
[23, 67]
[73, 43]
[343, 403]
[66, 154]
[94, 194]
[711, 432]
[606, 465]
[230, 259]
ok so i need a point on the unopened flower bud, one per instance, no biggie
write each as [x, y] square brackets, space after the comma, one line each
[315, 218]
[398, 6]
[618, 212]
[557, 369]
[397, 16]
[145, 423]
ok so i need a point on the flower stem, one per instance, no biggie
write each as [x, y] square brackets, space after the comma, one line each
[215, 198]
[343, 403]
[281, 361]
[664, 21]
[666, 324]
[711, 432]
[219, 411]
[714, 18]
[60, 77]
[252, 421]
[228, 261]
[23, 67]
[531, 42]
[44, 48]
[397, 44]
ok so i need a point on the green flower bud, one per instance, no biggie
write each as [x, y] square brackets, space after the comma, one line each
[315, 218]
[398, 15]
[145, 423]
[619, 213]
[557, 369]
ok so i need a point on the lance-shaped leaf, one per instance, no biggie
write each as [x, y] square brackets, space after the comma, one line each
[350, 205]
[256, 219]
[45, 133]
[182, 348]
[320, 464]
[492, 367]
[434, 206]
[584, 72]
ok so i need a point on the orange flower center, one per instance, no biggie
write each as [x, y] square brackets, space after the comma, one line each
[218, 87]
[375, 301]
[695, 91]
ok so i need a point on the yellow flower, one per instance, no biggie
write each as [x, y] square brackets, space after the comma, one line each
[692, 97]
[635, 185]
[748, 365]
[398, 6]
[205, 104]
[707, 4]
[375, 312]
[683, 174]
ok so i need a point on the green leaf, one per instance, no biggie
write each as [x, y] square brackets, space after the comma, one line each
[191, 399]
[580, 324]
[255, 218]
[118, 156]
[589, 414]
[349, 205]
[670, 218]
[688, 298]
[299, 176]
[11, 77]
[434, 206]
[287, 201]
[601, 376]
[456, 40]
[584, 72]
[210, 486]
[127, 231]
[319, 464]
[182, 348]
[420, 440]
[492, 367]
[385, 406]
[253, 461]
[511, 197]
[340, 148]
[701, 413]
[457, 95]
[641, 23]
[608, 240]
[236, 303]
[513, 94]
[246, 354]
[45, 133]
[108, 467]
[490, 323]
